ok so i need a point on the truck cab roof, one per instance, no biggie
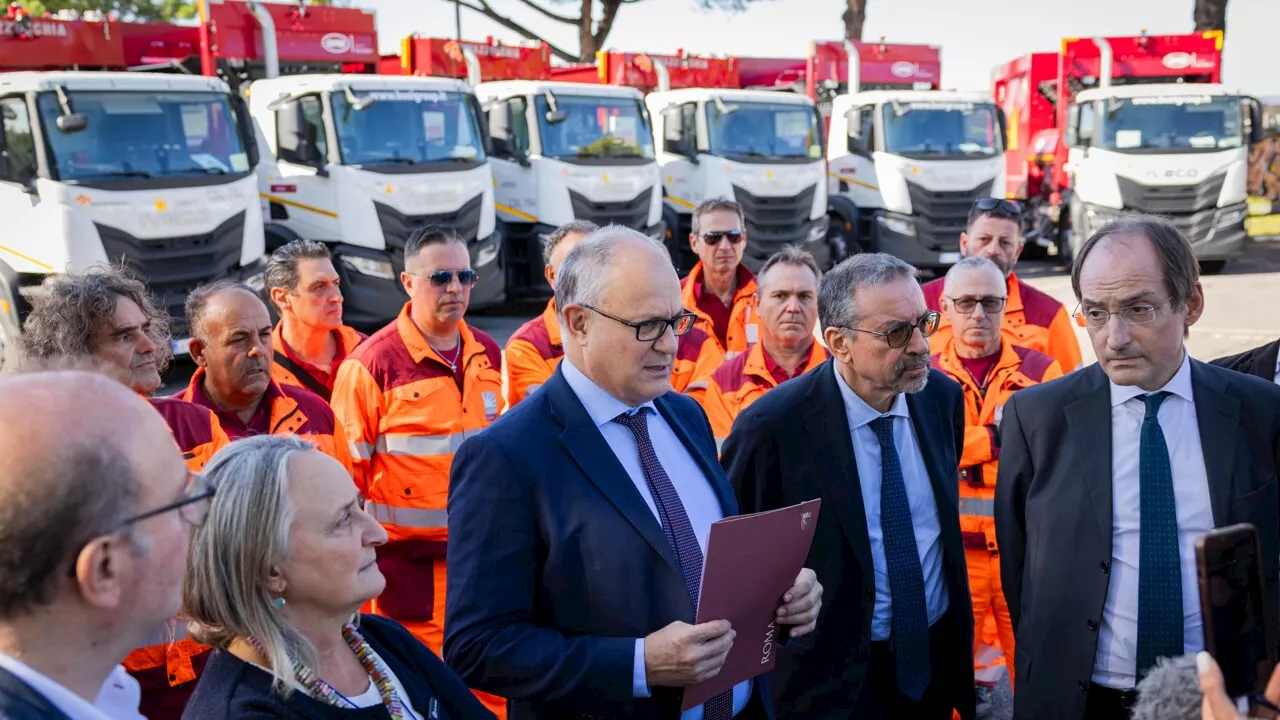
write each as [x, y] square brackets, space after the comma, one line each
[877, 97]
[1154, 90]
[322, 82]
[512, 88]
[731, 94]
[109, 81]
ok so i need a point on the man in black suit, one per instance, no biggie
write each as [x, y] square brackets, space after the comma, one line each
[94, 515]
[1261, 362]
[579, 520]
[877, 435]
[1109, 474]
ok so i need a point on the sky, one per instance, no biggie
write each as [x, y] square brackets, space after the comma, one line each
[975, 35]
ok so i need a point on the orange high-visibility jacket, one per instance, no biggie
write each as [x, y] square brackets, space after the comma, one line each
[741, 381]
[697, 356]
[290, 411]
[1032, 320]
[743, 325]
[533, 352]
[284, 357]
[163, 667]
[1016, 369]
[401, 406]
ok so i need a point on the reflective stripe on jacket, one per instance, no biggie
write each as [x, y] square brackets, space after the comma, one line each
[401, 406]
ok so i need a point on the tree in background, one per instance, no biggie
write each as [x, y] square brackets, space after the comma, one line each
[592, 30]
[854, 17]
[1209, 15]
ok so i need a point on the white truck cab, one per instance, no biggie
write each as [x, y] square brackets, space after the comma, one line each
[1176, 150]
[564, 151]
[360, 161]
[906, 166]
[153, 171]
[762, 149]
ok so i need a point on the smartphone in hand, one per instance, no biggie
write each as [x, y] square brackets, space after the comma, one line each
[1237, 631]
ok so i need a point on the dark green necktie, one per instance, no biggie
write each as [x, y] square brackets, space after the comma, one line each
[1159, 565]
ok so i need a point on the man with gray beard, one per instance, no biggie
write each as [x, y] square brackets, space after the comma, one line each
[877, 435]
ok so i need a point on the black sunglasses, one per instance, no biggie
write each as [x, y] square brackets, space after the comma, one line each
[441, 278]
[714, 237]
[651, 330]
[995, 204]
[899, 335]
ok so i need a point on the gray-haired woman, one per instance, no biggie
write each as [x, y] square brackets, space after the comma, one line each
[275, 580]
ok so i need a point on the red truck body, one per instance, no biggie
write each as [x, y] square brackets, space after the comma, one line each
[442, 57]
[762, 73]
[881, 66]
[637, 70]
[49, 44]
[1036, 91]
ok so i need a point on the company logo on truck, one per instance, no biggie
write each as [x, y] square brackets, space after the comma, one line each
[903, 69]
[1174, 174]
[1184, 60]
[337, 43]
[36, 28]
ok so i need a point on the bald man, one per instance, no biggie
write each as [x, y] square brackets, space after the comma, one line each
[99, 502]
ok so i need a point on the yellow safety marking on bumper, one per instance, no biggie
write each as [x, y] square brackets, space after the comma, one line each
[300, 206]
[851, 181]
[512, 211]
[682, 203]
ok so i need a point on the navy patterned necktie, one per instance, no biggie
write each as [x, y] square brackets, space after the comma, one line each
[909, 629]
[679, 532]
[1159, 565]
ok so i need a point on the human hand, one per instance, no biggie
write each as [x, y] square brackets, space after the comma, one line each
[1216, 704]
[802, 603]
[681, 654]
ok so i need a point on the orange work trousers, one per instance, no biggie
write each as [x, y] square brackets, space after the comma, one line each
[431, 632]
[988, 599]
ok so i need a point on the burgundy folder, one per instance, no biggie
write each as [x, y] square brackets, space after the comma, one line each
[752, 560]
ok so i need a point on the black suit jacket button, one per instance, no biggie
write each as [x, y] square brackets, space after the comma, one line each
[1105, 567]
[1083, 685]
[869, 595]
[1093, 626]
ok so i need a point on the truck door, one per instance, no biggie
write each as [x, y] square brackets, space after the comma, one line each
[515, 182]
[853, 172]
[301, 193]
[18, 202]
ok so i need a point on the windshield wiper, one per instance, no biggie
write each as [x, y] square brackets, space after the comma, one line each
[390, 161]
[205, 170]
[117, 174]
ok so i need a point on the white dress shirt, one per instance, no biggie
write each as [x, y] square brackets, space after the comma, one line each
[118, 686]
[700, 501]
[1277, 377]
[1116, 659]
[924, 507]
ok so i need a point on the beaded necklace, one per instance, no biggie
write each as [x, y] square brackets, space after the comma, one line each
[369, 660]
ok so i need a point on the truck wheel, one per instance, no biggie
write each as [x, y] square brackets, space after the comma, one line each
[1212, 267]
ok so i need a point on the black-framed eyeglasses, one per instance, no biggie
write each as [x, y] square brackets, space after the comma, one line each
[713, 237]
[442, 278]
[900, 335]
[651, 330]
[991, 304]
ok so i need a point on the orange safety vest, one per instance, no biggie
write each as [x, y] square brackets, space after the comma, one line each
[1016, 369]
[1032, 320]
[290, 411]
[741, 381]
[697, 357]
[406, 416]
[743, 327]
[288, 368]
[533, 352]
[195, 429]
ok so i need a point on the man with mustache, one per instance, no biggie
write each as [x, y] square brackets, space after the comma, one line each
[408, 397]
[1032, 319]
[989, 369]
[1108, 475]
[877, 435]
[231, 345]
[310, 341]
[787, 306]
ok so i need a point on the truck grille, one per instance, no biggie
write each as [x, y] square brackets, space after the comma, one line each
[633, 213]
[397, 227]
[773, 222]
[1190, 208]
[941, 214]
[172, 267]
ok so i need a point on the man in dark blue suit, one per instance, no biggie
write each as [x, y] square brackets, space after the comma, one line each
[578, 521]
[877, 435]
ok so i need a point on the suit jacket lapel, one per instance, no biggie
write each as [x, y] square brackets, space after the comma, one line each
[1218, 417]
[584, 443]
[710, 468]
[925, 421]
[826, 425]
[1089, 437]
[20, 701]
[1264, 363]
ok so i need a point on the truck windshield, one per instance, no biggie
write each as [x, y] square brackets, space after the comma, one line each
[1172, 123]
[594, 127]
[763, 131]
[407, 127]
[133, 134]
[938, 128]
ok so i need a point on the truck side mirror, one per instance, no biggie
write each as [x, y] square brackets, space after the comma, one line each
[296, 144]
[1072, 136]
[501, 133]
[244, 121]
[1003, 121]
[853, 116]
[1256, 131]
[73, 123]
[673, 132]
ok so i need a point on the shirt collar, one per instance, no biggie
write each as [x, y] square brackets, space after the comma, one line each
[857, 409]
[601, 406]
[71, 704]
[1179, 384]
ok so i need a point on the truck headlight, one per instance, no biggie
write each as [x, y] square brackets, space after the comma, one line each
[380, 269]
[816, 233]
[256, 282]
[487, 254]
[898, 225]
[1228, 217]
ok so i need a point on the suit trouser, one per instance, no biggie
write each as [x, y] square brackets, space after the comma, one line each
[880, 698]
[431, 630]
[988, 597]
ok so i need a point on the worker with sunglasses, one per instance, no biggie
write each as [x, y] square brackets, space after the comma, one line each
[989, 369]
[408, 397]
[719, 289]
[1032, 319]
